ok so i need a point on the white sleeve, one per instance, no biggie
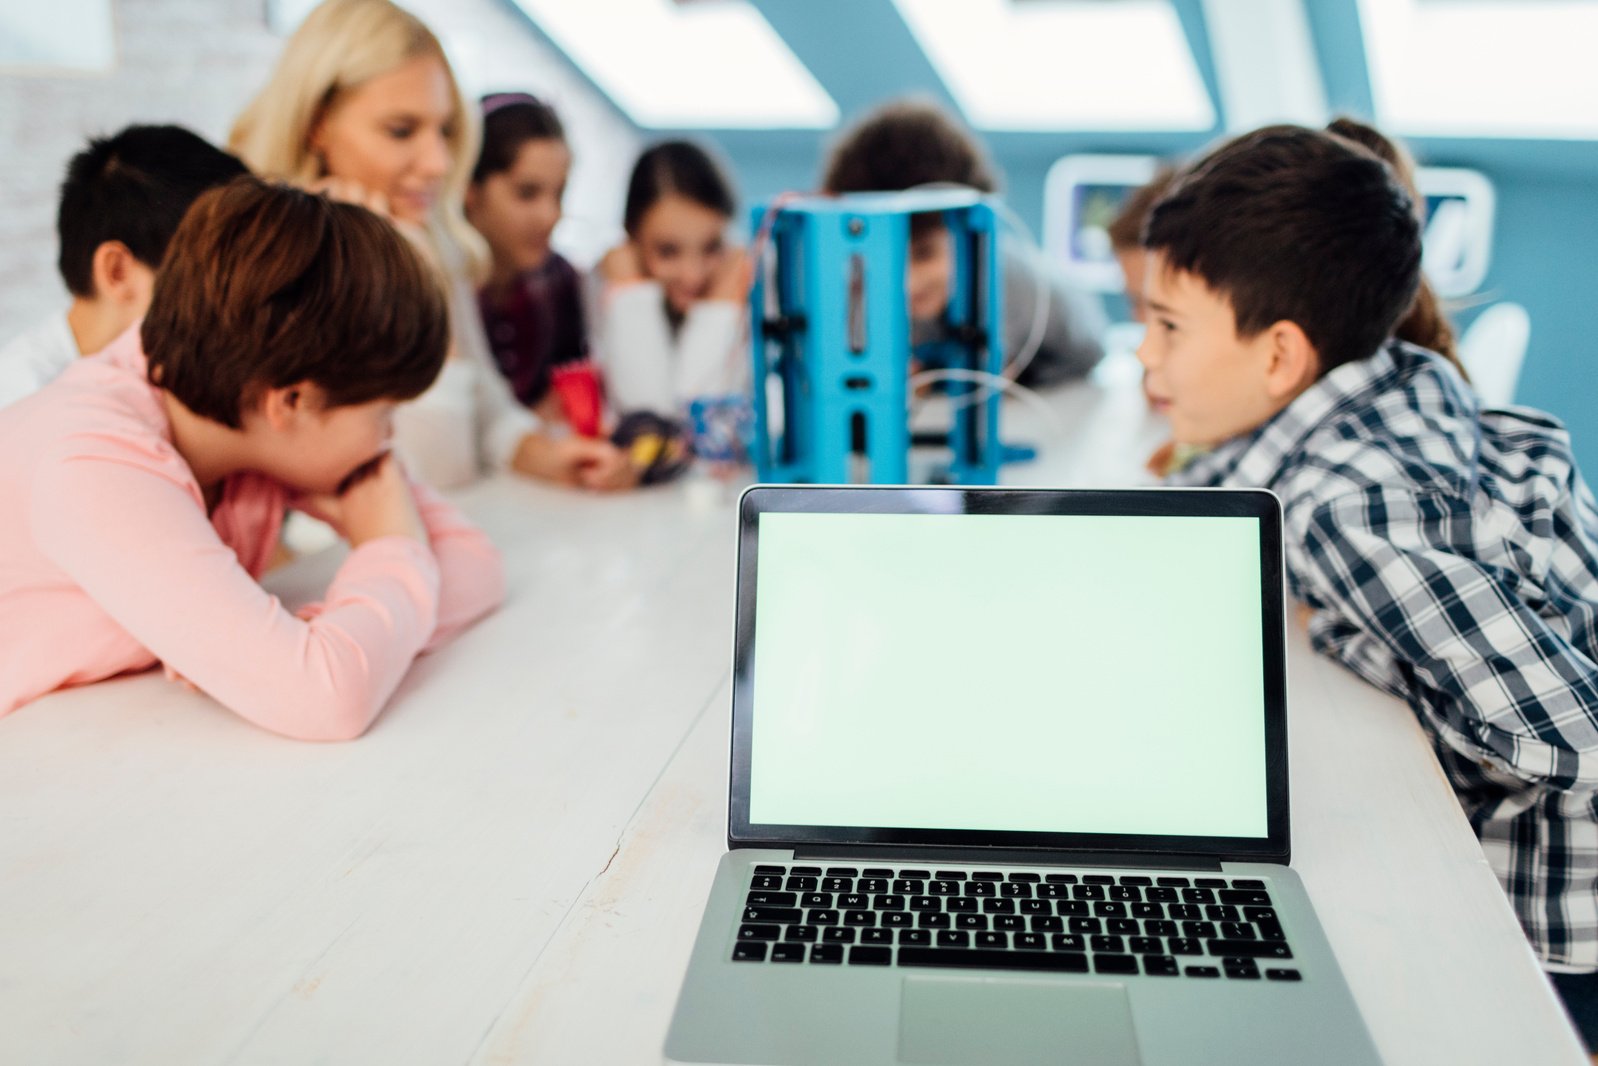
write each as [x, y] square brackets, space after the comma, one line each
[498, 422]
[710, 361]
[434, 433]
[635, 349]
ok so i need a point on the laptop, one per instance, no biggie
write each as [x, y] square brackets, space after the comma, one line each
[1009, 785]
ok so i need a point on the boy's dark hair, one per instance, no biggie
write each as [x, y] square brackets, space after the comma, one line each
[133, 187]
[1299, 225]
[904, 144]
[1425, 324]
[676, 168]
[266, 286]
[510, 120]
[1126, 228]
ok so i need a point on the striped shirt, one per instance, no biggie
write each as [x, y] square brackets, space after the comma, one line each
[1449, 556]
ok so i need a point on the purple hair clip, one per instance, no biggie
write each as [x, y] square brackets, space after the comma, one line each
[494, 101]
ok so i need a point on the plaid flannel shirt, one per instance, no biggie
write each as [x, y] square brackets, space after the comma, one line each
[1449, 556]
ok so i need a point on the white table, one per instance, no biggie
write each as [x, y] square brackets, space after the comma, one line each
[510, 867]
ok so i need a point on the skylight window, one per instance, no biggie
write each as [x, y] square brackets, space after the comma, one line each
[1063, 64]
[667, 63]
[1484, 68]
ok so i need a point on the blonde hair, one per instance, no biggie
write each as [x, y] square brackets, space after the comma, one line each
[341, 45]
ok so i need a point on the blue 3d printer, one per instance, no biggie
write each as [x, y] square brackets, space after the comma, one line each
[832, 349]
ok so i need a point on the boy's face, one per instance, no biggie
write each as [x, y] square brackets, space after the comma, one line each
[313, 447]
[1210, 382]
[930, 273]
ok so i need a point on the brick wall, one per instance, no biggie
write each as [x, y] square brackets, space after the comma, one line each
[197, 62]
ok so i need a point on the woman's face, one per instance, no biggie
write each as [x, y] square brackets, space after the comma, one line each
[391, 134]
[516, 209]
[680, 245]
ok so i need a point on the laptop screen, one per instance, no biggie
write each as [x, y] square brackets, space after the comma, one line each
[962, 665]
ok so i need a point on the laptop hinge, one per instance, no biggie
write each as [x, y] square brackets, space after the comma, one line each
[1009, 857]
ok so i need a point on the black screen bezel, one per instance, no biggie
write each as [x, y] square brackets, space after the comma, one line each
[1247, 503]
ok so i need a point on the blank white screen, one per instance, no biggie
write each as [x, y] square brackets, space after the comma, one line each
[1079, 674]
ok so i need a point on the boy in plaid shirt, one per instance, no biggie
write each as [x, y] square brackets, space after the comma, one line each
[1446, 553]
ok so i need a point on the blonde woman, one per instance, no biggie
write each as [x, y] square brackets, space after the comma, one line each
[362, 105]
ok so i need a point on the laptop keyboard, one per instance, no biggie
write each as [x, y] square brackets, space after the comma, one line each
[1124, 924]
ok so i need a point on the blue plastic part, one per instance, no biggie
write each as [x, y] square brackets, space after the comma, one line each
[831, 346]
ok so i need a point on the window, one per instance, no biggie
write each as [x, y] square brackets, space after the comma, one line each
[1063, 64]
[1483, 68]
[670, 63]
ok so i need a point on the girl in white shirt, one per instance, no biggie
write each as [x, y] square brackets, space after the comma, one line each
[673, 301]
[362, 105]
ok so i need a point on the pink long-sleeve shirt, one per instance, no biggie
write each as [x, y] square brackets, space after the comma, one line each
[109, 564]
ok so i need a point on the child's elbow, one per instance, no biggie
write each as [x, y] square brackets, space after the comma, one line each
[330, 718]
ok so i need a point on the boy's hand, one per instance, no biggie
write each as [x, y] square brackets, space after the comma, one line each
[374, 501]
[622, 265]
[733, 280]
[578, 462]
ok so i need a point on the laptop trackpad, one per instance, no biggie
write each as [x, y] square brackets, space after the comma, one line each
[994, 1021]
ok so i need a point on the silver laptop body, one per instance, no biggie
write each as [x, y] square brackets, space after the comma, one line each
[1009, 785]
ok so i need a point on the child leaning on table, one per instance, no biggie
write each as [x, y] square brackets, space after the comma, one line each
[1448, 554]
[143, 489]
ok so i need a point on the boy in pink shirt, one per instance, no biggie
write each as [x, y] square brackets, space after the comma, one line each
[143, 490]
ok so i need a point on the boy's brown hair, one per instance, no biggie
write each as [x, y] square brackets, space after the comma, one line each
[904, 144]
[1300, 225]
[265, 286]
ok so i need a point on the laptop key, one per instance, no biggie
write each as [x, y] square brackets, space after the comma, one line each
[801, 933]
[926, 903]
[897, 919]
[908, 887]
[970, 921]
[977, 958]
[1222, 912]
[1198, 895]
[826, 953]
[1016, 890]
[859, 918]
[765, 869]
[1126, 893]
[1252, 949]
[915, 937]
[870, 956]
[987, 875]
[1209, 882]
[952, 939]
[853, 901]
[916, 875]
[1183, 911]
[804, 871]
[787, 953]
[951, 875]
[1121, 926]
[837, 935]
[825, 917]
[998, 906]
[980, 888]
[764, 881]
[1109, 909]
[1146, 945]
[871, 885]
[1160, 928]
[1172, 882]
[771, 899]
[1086, 925]
[1098, 879]
[1043, 924]
[943, 888]
[1203, 971]
[1085, 891]
[842, 871]
[781, 915]
[1160, 895]
[801, 884]
[878, 936]
[1070, 908]
[1255, 914]
[1031, 941]
[1184, 945]
[1245, 899]
[1114, 964]
[934, 920]
[759, 932]
[1012, 923]
[755, 952]
[817, 899]
[1067, 942]
[1147, 910]
[1160, 966]
[1054, 891]
[1238, 931]
[876, 871]
[888, 903]
[1060, 879]
[1025, 878]
[837, 884]
[1036, 906]
[1136, 879]
[1112, 944]
[993, 940]
[960, 905]
[1270, 930]
[1244, 882]
[1283, 975]
[1201, 930]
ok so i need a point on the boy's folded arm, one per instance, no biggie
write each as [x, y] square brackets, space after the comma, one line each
[162, 574]
[471, 572]
[1514, 689]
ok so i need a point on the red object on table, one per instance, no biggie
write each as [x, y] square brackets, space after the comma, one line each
[581, 398]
